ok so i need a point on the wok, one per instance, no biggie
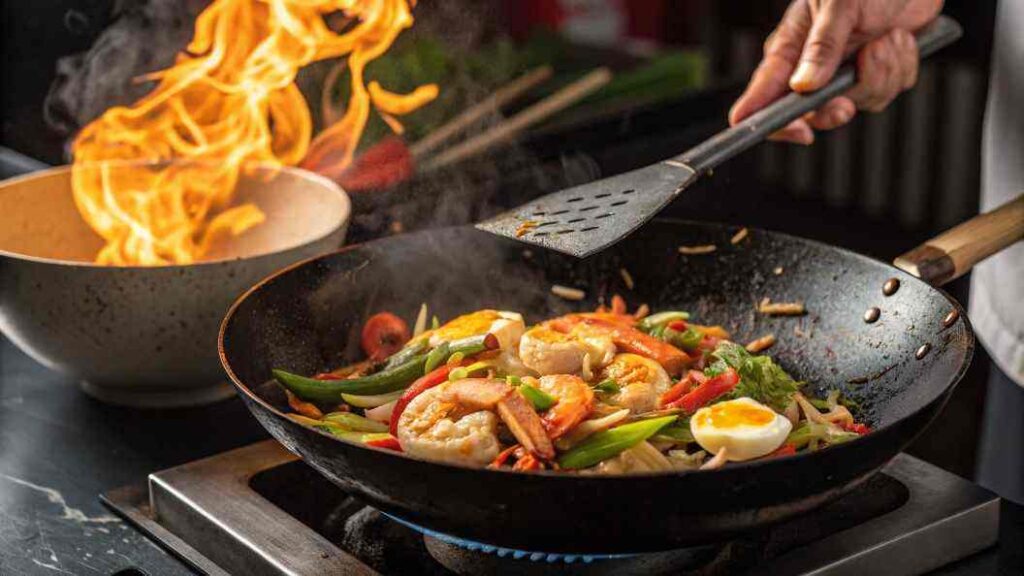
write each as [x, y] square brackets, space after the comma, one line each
[306, 319]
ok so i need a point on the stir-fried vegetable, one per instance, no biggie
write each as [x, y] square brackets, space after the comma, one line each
[354, 422]
[383, 335]
[600, 392]
[661, 319]
[328, 391]
[541, 400]
[604, 445]
[760, 377]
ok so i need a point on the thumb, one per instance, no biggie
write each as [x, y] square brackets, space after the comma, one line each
[824, 48]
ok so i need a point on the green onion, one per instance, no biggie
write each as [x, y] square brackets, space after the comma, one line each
[610, 386]
[678, 432]
[540, 399]
[435, 323]
[355, 422]
[662, 318]
[437, 356]
[603, 445]
[658, 332]
[466, 371]
[513, 380]
[456, 358]
[688, 339]
[371, 401]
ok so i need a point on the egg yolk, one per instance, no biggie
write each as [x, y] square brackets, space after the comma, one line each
[467, 325]
[548, 335]
[733, 414]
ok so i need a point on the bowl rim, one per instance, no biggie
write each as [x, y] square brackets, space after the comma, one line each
[317, 179]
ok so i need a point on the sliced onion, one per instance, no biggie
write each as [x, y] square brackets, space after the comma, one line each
[371, 401]
[654, 461]
[382, 413]
[421, 321]
[718, 461]
[588, 427]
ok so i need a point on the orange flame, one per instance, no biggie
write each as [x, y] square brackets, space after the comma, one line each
[229, 100]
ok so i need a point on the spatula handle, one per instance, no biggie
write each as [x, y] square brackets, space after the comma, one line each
[942, 32]
[954, 252]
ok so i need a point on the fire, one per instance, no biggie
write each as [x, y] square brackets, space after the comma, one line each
[229, 100]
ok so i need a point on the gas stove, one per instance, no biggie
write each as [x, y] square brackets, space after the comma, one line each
[261, 510]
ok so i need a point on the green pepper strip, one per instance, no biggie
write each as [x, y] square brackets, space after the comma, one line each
[387, 380]
[540, 399]
[603, 445]
[328, 391]
[355, 422]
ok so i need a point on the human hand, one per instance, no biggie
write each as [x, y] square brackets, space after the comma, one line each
[810, 42]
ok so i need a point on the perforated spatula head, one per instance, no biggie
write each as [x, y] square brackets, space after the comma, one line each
[589, 218]
[586, 219]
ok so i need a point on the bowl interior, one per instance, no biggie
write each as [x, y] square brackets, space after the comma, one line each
[39, 218]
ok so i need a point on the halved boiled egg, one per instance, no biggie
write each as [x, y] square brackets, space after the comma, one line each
[507, 327]
[747, 428]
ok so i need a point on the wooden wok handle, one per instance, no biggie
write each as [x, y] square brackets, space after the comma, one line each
[952, 253]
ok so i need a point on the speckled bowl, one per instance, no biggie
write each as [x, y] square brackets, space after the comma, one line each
[145, 336]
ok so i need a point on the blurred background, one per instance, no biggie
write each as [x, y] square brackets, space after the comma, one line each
[879, 186]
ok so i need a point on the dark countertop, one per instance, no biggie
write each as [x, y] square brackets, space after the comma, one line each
[59, 449]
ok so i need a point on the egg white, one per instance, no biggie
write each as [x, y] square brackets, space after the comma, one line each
[743, 441]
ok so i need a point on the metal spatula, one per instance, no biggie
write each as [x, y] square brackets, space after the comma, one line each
[586, 219]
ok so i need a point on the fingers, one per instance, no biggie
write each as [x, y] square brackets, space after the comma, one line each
[835, 113]
[796, 132]
[781, 53]
[825, 46]
[886, 66]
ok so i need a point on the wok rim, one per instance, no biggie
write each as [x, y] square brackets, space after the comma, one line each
[312, 177]
[941, 398]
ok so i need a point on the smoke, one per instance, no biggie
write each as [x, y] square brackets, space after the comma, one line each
[145, 37]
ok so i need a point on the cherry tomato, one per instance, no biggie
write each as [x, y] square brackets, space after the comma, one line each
[383, 335]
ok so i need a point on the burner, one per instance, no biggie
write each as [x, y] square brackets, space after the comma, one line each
[259, 509]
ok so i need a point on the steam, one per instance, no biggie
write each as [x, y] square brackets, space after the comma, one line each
[145, 37]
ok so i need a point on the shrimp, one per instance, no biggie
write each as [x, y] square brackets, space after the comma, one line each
[626, 338]
[575, 403]
[457, 422]
[641, 382]
[549, 351]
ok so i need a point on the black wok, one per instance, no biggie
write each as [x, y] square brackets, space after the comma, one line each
[306, 319]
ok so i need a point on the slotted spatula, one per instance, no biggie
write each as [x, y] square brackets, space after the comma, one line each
[586, 219]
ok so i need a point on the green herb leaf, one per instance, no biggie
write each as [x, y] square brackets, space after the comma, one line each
[760, 377]
[653, 321]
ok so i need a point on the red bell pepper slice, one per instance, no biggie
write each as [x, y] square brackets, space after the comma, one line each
[677, 325]
[857, 428]
[681, 388]
[706, 391]
[784, 450]
[421, 385]
[383, 335]
[390, 443]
